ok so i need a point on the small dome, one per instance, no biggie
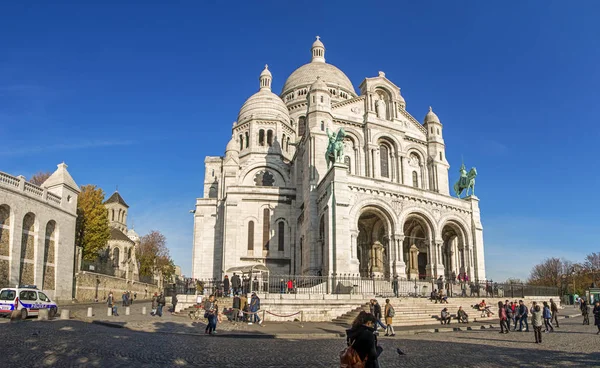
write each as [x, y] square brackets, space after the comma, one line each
[232, 146]
[431, 117]
[318, 43]
[319, 85]
[131, 234]
[264, 104]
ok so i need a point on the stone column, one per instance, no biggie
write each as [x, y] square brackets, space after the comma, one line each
[399, 266]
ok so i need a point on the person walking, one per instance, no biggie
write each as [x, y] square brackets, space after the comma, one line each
[395, 285]
[377, 314]
[236, 284]
[255, 307]
[389, 313]
[523, 315]
[110, 302]
[503, 318]
[547, 314]
[596, 312]
[154, 304]
[509, 313]
[237, 307]
[211, 309]
[585, 312]
[226, 285]
[554, 310]
[536, 322]
[174, 302]
[362, 338]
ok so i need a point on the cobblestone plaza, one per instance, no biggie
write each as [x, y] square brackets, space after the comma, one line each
[76, 343]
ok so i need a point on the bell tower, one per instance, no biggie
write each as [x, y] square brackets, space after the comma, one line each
[436, 152]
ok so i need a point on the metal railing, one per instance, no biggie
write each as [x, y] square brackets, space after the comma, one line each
[355, 284]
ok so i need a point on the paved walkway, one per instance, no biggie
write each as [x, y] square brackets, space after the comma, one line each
[182, 324]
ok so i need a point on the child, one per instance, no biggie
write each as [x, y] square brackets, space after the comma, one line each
[547, 314]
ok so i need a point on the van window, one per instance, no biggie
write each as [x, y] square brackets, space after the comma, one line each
[7, 295]
[43, 297]
[27, 295]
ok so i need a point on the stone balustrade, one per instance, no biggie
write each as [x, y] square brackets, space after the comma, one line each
[20, 184]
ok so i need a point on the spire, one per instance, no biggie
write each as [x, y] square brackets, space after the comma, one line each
[265, 79]
[318, 51]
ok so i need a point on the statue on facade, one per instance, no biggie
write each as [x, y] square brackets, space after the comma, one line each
[380, 108]
[466, 181]
[335, 148]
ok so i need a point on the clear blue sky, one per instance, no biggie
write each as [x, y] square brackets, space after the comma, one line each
[136, 95]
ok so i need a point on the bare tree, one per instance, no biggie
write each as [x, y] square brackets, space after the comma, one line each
[592, 264]
[39, 178]
[549, 272]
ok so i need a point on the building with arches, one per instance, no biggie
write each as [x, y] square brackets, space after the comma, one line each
[386, 210]
[37, 232]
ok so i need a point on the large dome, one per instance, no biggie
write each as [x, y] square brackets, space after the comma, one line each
[264, 104]
[307, 74]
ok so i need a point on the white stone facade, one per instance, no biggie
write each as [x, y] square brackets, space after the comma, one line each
[386, 210]
[37, 232]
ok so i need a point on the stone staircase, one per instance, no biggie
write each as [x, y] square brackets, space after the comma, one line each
[421, 311]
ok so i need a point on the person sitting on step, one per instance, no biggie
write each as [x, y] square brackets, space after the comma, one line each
[445, 316]
[462, 316]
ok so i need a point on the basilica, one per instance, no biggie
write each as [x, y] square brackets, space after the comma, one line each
[382, 206]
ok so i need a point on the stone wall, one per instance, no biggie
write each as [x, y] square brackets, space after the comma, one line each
[86, 287]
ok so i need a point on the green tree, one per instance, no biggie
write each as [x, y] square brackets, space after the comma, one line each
[92, 231]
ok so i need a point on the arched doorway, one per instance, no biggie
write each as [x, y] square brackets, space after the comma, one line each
[417, 239]
[454, 254]
[374, 231]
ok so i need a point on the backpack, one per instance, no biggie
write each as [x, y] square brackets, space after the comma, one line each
[349, 358]
[391, 312]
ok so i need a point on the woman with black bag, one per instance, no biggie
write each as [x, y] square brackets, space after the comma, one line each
[362, 339]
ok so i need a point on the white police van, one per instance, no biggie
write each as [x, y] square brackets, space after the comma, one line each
[27, 299]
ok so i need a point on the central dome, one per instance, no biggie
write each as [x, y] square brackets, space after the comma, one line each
[307, 74]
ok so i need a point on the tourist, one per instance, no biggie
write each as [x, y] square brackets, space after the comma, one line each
[554, 310]
[463, 289]
[434, 296]
[161, 303]
[462, 316]
[290, 286]
[245, 307]
[110, 302]
[503, 318]
[255, 307]
[584, 311]
[211, 309]
[226, 286]
[523, 314]
[484, 309]
[154, 304]
[237, 307]
[377, 313]
[361, 336]
[445, 316]
[536, 322]
[443, 298]
[134, 295]
[440, 283]
[509, 313]
[124, 298]
[547, 314]
[389, 313]
[395, 286]
[596, 312]
[236, 284]
[174, 301]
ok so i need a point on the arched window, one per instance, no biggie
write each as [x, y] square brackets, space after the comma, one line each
[287, 145]
[270, 137]
[415, 178]
[251, 235]
[261, 137]
[322, 126]
[280, 236]
[322, 99]
[266, 228]
[438, 131]
[301, 250]
[116, 258]
[241, 142]
[384, 158]
[301, 126]
[283, 143]
[247, 139]
[441, 156]
[113, 215]
[348, 163]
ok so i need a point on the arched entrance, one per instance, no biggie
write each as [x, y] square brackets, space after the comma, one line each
[454, 253]
[417, 239]
[374, 232]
